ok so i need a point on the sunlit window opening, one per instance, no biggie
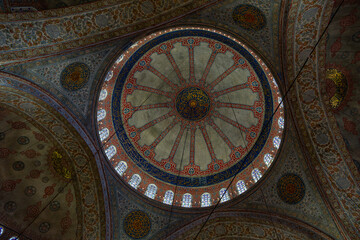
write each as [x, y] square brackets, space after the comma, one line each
[135, 181]
[281, 122]
[186, 200]
[241, 187]
[103, 133]
[103, 95]
[268, 159]
[101, 114]
[256, 174]
[121, 168]
[168, 197]
[276, 142]
[151, 191]
[110, 151]
[224, 195]
[205, 200]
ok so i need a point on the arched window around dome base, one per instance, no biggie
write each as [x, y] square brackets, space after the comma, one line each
[224, 195]
[168, 197]
[205, 200]
[121, 168]
[241, 187]
[256, 174]
[151, 191]
[135, 181]
[186, 200]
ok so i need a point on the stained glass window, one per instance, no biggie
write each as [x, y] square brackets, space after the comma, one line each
[1, 230]
[109, 76]
[276, 142]
[121, 167]
[151, 191]
[186, 200]
[135, 181]
[13, 238]
[281, 122]
[256, 174]
[104, 133]
[241, 187]
[110, 151]
[103, 94]
[281, 103]
[101, 114]
[168, 197]
[268, 159]
[224, 195]
[205, 200]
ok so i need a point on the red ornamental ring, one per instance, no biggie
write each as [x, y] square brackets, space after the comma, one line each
[175, 112]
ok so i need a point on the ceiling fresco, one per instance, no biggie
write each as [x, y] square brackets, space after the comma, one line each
[48, 168]
[341, 84]
[188, 111]
[13, 6]
[330, 161]
[256, 22]
[73, 86]
[60, 90]
[41, 33]
[247, 225]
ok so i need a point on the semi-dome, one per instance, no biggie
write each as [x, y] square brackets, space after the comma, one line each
[184, 110]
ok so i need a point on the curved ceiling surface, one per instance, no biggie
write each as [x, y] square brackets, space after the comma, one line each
[190, 107]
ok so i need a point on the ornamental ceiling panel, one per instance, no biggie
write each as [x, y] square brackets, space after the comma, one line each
[330, 161]
[71, 78]
[47, 171]
[40, 33]
[341, 84]
[257, 22]
[190, 107]
[247, 225]
[291, 190]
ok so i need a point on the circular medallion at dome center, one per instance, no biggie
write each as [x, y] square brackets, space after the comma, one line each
[192, 103]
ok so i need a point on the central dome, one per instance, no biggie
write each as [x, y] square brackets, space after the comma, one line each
[192, 103]
[190, 108]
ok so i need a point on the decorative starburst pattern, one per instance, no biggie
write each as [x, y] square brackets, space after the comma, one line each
[191, 107]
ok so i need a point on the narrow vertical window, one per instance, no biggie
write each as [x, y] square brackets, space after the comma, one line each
[121, 168]
[110, 151]
[205, 200]
[168, 197]
[276, 142]
[1, 230]
[186, 200]
[135, 181]
[268, 159]
[109, 75]
[224, 195]
[151, 191]
[281, 103]
[103, 95]
[101, 114]
[103, 133]
[281, 122]
[256, 174]
[241, 187]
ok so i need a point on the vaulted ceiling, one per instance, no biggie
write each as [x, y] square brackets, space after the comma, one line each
[56, 182]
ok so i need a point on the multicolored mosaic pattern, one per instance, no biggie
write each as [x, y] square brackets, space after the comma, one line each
[75, 76]
[249, 17]
[188, 106]
[137, 224]
[290, 188]
[192, 103]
